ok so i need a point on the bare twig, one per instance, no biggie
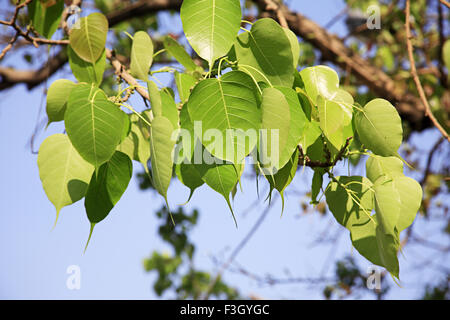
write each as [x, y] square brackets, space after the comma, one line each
[445, 3]
[416, 77]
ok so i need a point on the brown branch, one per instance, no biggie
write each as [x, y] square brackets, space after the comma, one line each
[304, 160]
[416, 77]
[445, 3]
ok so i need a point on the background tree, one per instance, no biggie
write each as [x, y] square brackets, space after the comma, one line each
[406, 64]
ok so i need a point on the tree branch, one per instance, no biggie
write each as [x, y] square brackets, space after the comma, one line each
[416, 77]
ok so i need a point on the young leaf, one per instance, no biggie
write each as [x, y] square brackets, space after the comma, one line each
[331, 120]
[64, 173]
[85, 71]
[410, 194]
[387, 205]
[379, 128]
[276, 119]
[297, 124]
[320, 81]
[295, 46]
[161, 153]
[179, 53]
[93, 123]
[57, 96]
[229, 105]
[169, 109]
[377, 166]
[141, 55]
[45, 18]
[107, 186]
[155, 98]
[211, 26]
[265, 52]
[185, 83]
[88, 41]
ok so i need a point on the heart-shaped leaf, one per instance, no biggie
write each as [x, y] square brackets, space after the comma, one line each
[211, 26]
[227, 106]
[64, 173]
[88, 41]
[57, 96]
[86, 71]
[93, 123]
[265, 53]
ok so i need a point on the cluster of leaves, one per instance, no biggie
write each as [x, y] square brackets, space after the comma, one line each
[252, 84]
[177, 272]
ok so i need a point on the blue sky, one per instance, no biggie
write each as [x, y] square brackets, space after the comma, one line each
[34, 259]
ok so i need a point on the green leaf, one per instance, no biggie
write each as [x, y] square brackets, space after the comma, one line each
[169, 109]
[88, 41]
[387, 205]
[265, 53]
[137, 144]
[331, 120]
[379, 128]
[57, 96]
[283, 178]
[320, 81]
[180, 54]
[297, 125]
[317, 182]
[189, 176]
[64, 173]
[161, 154]
[211, 26]
[410, 194]
[276, 119]
[377, 166]
[221, 177]
[107, 186]
[141, 55]
[295, 46]
[310, 134]
[93, 123]
[155, 98]
[446, 54]
[45, 18]
[85, 71]
[226, 104]
[185, 83]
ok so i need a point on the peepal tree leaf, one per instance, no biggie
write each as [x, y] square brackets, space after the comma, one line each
[377, 166]
[211, 26]
[410, 194]
[45, 17]
[88, 41]
[64, 173]
[295, 46]
[141, 55]
[221, 177]
[179, 53]
[320, 81]
[387, 204]
[57, 96]
[227, 104]
[185, 83]
[161, 154]
[266, 50]
[189, 176]
[86, 71]
[379, 128]
[275, 123]
[297, 124]
[93, 123]
[107, 186]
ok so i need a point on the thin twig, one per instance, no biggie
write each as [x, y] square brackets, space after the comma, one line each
[445, 3]
[423, 98]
